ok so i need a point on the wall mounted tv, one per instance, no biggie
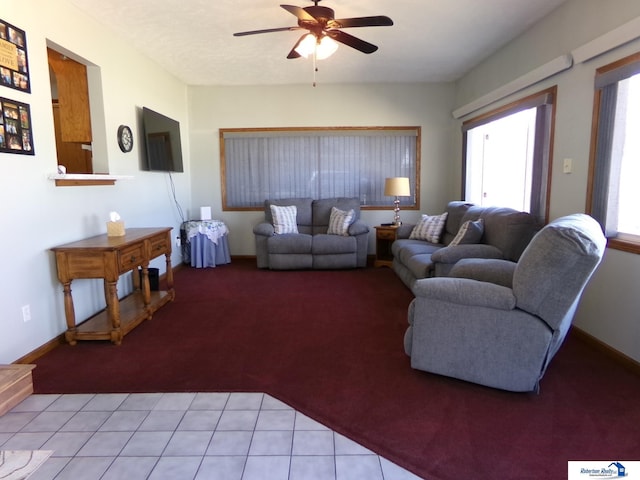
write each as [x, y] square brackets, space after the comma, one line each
[162, 140]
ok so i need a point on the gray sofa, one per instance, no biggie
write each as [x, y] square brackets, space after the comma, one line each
[506, 233]
[312, 247]
[504, 335]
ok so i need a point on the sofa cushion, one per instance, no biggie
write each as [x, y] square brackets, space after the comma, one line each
[325, 244]
[509, 230]
[456, 210]
[284, 219]
[429, 228]
[420, 265]
[404, 249]
[289, 243]
[339, 221]
[470, 232]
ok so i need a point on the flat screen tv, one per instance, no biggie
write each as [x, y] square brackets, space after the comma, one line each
[162, 140]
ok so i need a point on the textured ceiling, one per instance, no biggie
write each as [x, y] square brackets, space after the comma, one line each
[430, 41]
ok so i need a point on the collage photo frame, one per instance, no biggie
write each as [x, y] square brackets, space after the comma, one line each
[16, 135]
[14, 64]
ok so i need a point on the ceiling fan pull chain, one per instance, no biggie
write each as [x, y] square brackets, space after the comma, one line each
[315, 68]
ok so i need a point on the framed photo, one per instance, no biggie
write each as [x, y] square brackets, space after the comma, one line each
[16, 135]
[14, 66]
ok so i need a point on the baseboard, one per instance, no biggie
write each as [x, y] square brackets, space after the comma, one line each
[32, 356]
[619, 357]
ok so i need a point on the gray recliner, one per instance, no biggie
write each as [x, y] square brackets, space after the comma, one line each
[504, 334]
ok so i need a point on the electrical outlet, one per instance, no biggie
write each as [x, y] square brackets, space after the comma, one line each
[26, 313]
[567, 165]
[178, 242]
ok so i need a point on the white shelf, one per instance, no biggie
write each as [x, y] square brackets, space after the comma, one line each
[88, 176]
[79, 179]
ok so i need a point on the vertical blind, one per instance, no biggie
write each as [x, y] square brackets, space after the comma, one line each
[258, 164]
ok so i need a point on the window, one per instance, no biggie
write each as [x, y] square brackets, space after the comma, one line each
[257, 164]
[507, 153]
[614, 169]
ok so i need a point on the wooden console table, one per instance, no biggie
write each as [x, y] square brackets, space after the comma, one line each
[108, 258]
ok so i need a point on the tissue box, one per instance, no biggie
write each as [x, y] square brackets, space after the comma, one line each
[115, 229]
[205, 213]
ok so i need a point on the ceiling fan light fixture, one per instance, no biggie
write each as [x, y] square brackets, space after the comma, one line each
[323, 47]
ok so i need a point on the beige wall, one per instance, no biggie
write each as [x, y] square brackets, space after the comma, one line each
[425, 105]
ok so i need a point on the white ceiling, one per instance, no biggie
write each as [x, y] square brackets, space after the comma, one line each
[430, 41]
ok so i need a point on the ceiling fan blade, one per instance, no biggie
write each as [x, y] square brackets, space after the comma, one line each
[377, 21]
[351, 41]
[267, 30]
[293, 53]
[299, 12]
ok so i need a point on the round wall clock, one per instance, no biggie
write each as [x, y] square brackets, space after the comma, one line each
[125, 138]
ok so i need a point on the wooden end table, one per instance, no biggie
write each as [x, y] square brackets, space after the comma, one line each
[385, 236]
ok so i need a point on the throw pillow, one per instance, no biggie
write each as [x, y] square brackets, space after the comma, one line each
[429, 228]
[284, 219]
[470, 232]
[339, 221]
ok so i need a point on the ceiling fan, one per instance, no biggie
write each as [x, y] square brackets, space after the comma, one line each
[322, 25]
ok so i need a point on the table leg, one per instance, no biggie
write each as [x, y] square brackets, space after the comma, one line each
[69, 313]
[113, 310]
[169, 276]
[146, 289]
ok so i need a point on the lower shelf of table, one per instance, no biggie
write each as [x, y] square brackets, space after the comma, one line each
[132, 313]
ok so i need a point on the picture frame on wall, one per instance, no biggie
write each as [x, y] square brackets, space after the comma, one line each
[16, 134]
[14, 64]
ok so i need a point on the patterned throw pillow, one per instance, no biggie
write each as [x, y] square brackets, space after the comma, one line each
[284, 219]
[470, 232]
[339, 221]
[429, 228]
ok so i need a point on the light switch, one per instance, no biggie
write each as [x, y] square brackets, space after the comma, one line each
[566, 166]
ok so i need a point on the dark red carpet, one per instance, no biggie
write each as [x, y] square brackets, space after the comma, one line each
[329, 343]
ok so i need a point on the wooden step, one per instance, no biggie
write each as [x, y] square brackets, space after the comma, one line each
[16, 384]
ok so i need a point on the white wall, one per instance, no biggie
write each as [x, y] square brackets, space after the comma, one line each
[610, 306]
[425, 105]
[35, 214]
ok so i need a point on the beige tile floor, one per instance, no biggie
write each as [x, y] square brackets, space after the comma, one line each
[190, 436]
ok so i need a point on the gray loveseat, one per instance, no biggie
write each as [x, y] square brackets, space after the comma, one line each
[505, 234]
[312, 247]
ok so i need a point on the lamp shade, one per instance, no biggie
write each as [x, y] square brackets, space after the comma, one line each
[397, 187]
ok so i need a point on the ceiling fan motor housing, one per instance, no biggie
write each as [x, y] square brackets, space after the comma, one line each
[322, 16]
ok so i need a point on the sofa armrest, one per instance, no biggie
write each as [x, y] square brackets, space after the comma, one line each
[495, 271]
[464, 291]
[358, 228]
[457, 252]
[265, 229]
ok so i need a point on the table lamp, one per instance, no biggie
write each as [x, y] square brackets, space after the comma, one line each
[397, 187]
